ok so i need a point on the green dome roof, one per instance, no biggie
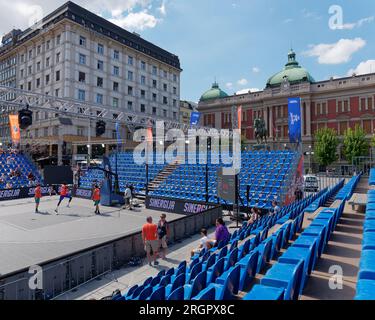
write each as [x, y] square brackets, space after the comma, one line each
[214, 93]
[292, 71]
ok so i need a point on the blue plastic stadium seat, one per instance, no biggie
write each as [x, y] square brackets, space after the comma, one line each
[287, 276]
[260, 292]
[177, 295]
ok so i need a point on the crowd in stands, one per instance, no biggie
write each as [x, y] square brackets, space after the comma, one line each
[15, 170]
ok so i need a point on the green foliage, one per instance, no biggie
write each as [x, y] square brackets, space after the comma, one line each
[326, 146]
[355, 143]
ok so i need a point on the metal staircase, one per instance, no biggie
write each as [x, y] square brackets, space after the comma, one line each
[163, 175]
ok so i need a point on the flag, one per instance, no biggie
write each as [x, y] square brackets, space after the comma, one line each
[15, 128]
[294, 111]
[239, 117]
[194, 118]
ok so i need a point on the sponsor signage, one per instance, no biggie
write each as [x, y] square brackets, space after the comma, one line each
[82, 193]
[20, 193]
[294, 119]
[178, 206]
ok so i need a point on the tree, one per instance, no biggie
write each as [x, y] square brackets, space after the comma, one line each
[325, 149]
[373, 141]
[355, 143]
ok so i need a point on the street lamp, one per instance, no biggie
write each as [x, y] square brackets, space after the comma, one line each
[310, 154]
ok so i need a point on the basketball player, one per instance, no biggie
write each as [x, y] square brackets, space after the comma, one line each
[37, 197]
[96, 198]
[64, 193]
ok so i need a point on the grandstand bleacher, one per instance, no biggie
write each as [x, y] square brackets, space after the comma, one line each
[13, 161]
[266, 174]
[228, 271]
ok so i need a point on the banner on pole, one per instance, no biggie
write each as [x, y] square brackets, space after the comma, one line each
[15, 128]
[194, 118]
[294, 112]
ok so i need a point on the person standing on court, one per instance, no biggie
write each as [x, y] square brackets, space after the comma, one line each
[128, 198]
[150, 241]
[37, 197]
[163, 233]
[64, 193]
[96, 198]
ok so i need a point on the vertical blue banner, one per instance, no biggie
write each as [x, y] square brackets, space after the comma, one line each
[194, 118]
[294, 112]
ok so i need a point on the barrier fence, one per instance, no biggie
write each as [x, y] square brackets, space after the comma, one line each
[70, 272]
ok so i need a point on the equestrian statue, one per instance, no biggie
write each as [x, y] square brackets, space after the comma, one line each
[260, 130]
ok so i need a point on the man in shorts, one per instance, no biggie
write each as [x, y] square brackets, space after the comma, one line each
[37, 197]
[163, 233]
[64, 193]
[150, 241]
[96, 198]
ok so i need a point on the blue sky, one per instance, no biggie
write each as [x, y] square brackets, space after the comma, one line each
[240, 42]
[234, 40]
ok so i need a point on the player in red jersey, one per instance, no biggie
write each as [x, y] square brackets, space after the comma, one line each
[64, 193]
[37, 197]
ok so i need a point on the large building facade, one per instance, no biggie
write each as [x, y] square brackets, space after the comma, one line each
[78, 55]
[335, 103]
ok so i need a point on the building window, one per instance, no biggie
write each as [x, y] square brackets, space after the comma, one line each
[22, 58]
[164, 113]
[82, 41]
[143, 65]
[80, 131]
[130, 105]
[174, 90]
[21, 73]
[29, 86]
[30, 54]
[143, 80]
[165, 87]
[174, 102]
[39, 49]
[99, 82]
[154, 84]
[57, 92]
[30, 70]
[82, 58]
[143, 108]
[130, 91]
[362, 105]
[165, 74]
[153, 110]
[58, 57]
[38, 82]
[130, 75]
[58, 39]
[116, 55]
[154, 97]
[115, 102]
[130, 60]
[47, 62]
[116, 71]
[174, 115]
[143, 94]
[58, 75]
[174, 78]
[81, 95]
[115, 86]
[369, 103]
[48, 44]
[100, 65]
[38, 66]
[165, 100]
[100, 49]
[47, 79]
[99, 98]
[81, 77]
[154, 70]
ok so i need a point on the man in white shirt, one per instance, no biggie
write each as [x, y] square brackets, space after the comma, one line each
[204, 243]
[128, 196]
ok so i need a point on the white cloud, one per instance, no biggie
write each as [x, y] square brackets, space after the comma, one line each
[255, 70]
[363, 68]
[336, 53]
[138, 21]
[23, 13]
[229, 85]
[242, 82]
[310, 15]
[289, 20]
[244, 91]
